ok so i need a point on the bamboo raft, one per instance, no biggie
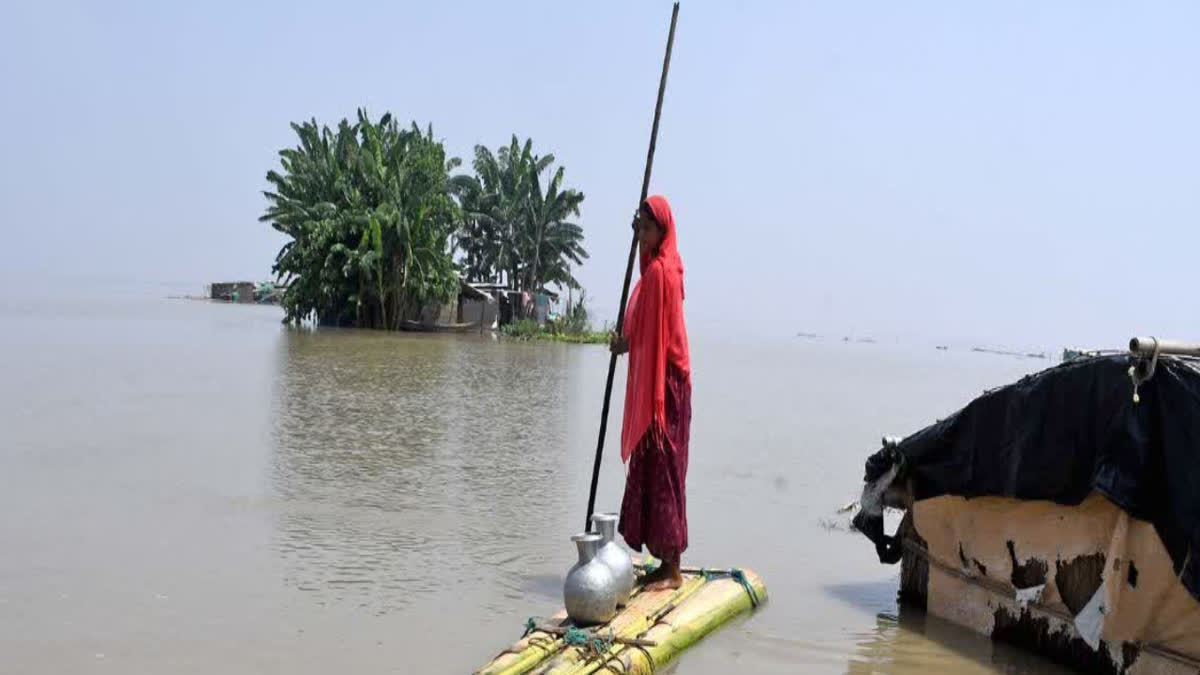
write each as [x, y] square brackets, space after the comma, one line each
[653, 630]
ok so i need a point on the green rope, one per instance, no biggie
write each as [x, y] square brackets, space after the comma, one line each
[596, 645]
[575, 637]
[737, 575]
[601, 645]
[740, 577]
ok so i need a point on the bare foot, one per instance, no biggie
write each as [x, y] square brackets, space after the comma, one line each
[667, 577]
[668, 584]
[661, 572]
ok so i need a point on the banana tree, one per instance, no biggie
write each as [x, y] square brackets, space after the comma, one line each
[363, 206]
[510, 226]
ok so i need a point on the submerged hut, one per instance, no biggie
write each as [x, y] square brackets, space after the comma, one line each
[263, 292]
[513, 305]
[233, 291]
[471, 309]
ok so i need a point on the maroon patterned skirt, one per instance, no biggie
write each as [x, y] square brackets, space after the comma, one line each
[654, 510]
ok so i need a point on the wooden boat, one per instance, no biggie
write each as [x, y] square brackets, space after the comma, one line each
[419, 327]
[1088, 586]
[653, 630]
[1058, 513]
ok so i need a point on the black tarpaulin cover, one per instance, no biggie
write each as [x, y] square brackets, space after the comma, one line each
[1061, 433]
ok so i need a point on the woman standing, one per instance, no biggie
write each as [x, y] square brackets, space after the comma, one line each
[658, 394]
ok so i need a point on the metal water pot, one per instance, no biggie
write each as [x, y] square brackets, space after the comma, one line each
[617, 558]
[590, 591]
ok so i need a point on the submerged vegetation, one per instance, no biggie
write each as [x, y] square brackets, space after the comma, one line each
[574, 327]
[528, 330]
[379, 228]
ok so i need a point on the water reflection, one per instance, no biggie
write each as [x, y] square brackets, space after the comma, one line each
[355, 494]
[913, 641]
[877, 596]
[405, 463]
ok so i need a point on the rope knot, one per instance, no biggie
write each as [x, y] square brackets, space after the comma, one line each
[595, 645]
[739, 576]
[575, 637]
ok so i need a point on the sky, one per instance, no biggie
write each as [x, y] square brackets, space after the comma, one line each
[1004, 173]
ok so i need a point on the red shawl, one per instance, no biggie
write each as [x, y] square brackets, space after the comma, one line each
[656, 332]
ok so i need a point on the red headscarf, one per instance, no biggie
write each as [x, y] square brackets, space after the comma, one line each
[656, 331]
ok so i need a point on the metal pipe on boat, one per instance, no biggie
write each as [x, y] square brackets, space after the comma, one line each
[1148, 346]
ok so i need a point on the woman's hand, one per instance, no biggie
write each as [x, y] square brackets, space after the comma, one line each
[618, 344]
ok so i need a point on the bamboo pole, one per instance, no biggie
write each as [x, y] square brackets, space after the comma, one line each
[548, 653]
[710, 607]
[652, 631]
[629, 624]
[612, 360]
[562, 630]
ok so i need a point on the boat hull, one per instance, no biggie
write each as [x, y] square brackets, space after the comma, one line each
[1086, 585]
[418, 327]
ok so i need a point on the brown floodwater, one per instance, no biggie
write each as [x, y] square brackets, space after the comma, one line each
[189, 487]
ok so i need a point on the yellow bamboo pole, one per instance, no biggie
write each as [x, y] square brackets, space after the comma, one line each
[526, 654]
[633, 621]
[542, 652]
[525, 660]
[673, 620]
[712, 606]
[720, 601]
[538, 646]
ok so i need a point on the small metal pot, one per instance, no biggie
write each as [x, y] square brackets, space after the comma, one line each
[617, 558]
[590, 591]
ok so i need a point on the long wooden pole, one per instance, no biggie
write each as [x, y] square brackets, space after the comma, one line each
[612, 361]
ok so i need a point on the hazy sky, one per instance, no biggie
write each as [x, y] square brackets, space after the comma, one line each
[1013, 172]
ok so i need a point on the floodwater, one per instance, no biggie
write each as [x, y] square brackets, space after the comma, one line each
[189, 487]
